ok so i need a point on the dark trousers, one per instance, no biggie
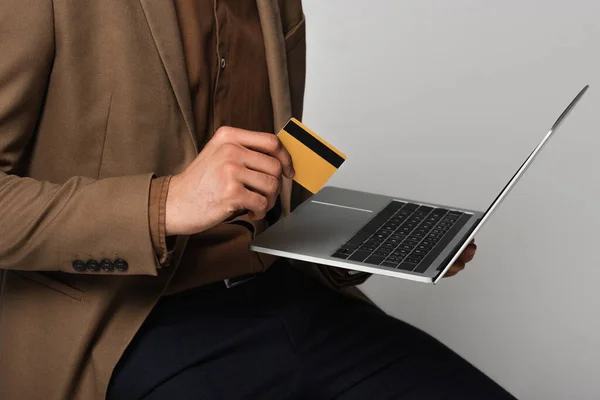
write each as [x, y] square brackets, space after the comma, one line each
[284, 336]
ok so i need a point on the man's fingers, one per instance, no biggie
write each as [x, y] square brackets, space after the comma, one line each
[256, 204]
[270, 144]
[262, 163]
[465, 257]
[258, 141]
[455, 269]
[468, 253]
[450, 274]
[264, 184]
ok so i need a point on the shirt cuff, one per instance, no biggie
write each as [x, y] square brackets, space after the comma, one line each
[159, 188]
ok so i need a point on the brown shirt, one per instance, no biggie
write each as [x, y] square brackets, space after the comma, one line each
[227, 73]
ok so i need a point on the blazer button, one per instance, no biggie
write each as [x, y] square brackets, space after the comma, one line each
[93, 265]
[107, 265]
[79, 266]
[121, 265]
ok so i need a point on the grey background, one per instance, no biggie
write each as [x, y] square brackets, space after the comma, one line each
[442, 101]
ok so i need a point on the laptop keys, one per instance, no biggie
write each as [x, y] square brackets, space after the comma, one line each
[400, 253]
[381, 252]
[405, 266]
[360, 255]
[402, 236]
[390, 264]
[424, 249]
[419, 253]
[340, 255]
[367, 249]
[405, 230]
[411, 243]
[410, 207]
[413, 260]
[375, 260]
[345, 252]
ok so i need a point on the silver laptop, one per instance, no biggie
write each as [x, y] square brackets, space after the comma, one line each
[383, 235]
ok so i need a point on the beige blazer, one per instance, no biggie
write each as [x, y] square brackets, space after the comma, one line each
[82, 84]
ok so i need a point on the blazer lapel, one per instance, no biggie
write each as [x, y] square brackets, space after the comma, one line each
[270, 19]
[162, 20]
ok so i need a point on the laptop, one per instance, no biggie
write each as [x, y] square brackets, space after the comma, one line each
[384, 235]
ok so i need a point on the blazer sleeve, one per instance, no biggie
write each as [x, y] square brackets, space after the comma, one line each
[46, 226]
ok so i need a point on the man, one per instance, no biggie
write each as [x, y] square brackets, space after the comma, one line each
[134, 134]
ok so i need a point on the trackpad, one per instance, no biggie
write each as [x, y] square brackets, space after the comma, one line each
[315, 228]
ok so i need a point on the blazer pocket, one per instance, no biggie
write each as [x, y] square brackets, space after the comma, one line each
[50, 283]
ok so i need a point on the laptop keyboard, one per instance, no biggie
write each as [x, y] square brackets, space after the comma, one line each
[404, 236]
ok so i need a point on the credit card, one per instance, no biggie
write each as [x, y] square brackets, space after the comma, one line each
[315, 160]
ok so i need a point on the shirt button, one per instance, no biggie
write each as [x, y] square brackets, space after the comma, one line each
[223, 63]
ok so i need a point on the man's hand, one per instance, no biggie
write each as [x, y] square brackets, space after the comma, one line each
[466, 257]
[236, 170]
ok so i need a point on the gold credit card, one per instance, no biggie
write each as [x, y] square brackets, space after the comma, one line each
[315, 160]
